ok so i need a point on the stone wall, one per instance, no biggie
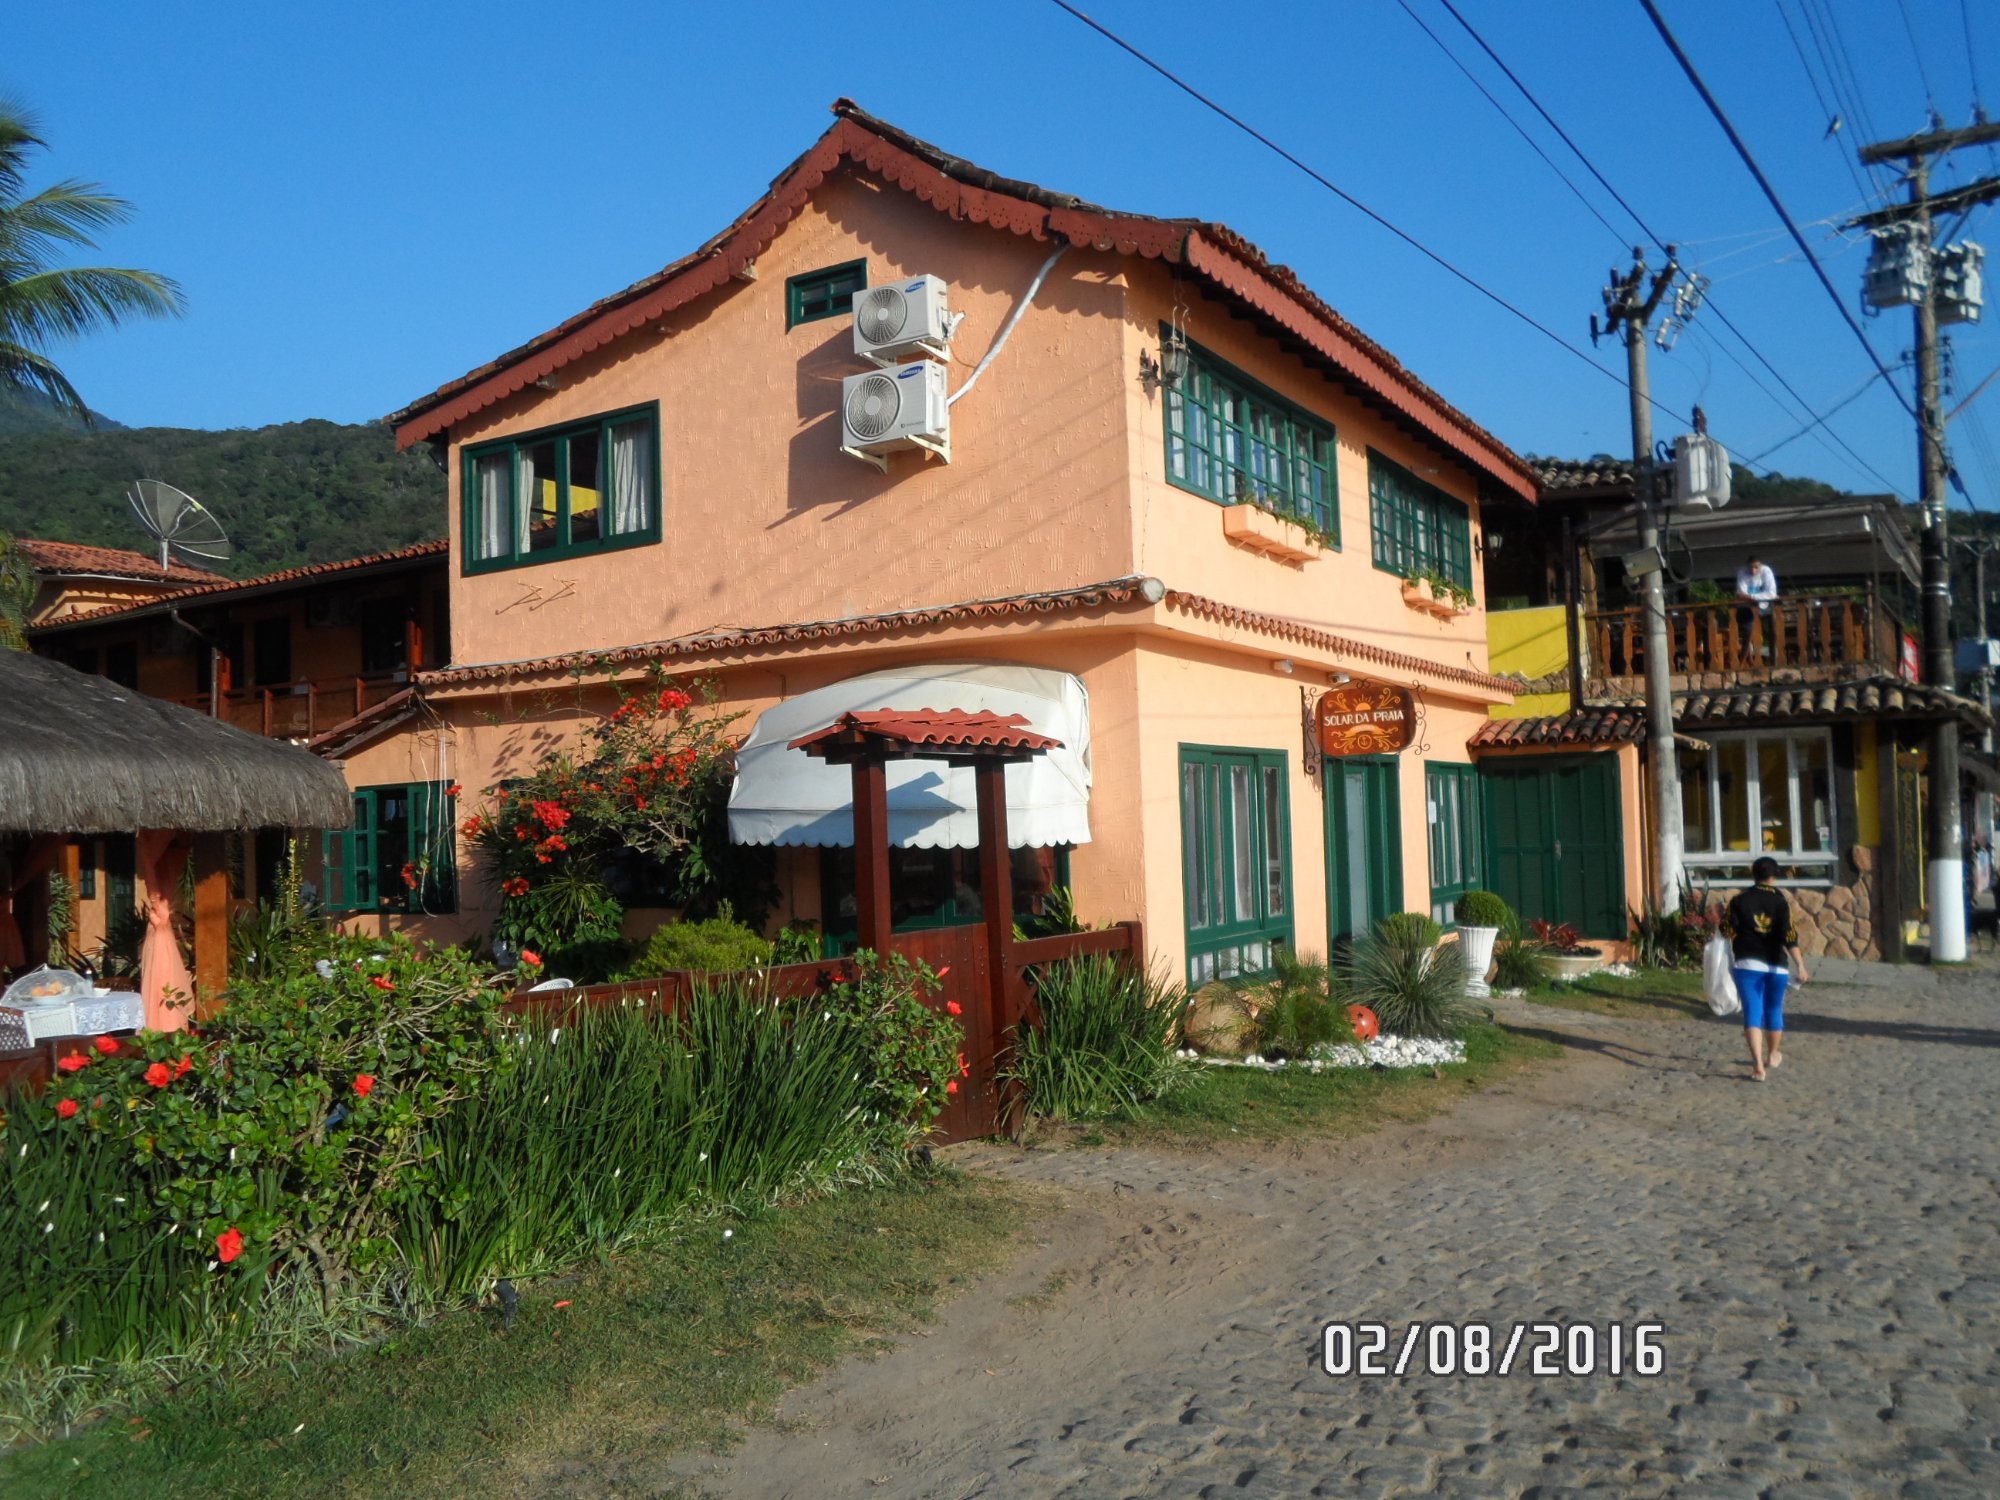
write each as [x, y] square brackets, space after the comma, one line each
[1841, 922]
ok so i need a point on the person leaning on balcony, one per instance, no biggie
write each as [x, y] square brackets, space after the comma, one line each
[1761, 937]
[1757, 586]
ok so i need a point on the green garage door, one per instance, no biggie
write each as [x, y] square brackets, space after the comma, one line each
[1554, 840]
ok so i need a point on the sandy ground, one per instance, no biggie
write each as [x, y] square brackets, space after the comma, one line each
[1822, 1269]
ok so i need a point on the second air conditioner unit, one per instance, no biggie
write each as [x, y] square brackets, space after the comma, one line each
[886, 411]
[903, 317]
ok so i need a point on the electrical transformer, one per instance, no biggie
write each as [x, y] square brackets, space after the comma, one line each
[1961, 289]
[1899, 268]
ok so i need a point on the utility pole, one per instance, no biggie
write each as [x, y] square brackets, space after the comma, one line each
[1944, 827]
[1629, 306]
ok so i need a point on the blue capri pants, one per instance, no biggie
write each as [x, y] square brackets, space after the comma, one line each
[1763, 996]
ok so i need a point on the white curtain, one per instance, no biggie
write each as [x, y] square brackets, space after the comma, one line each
[531, 496]
[631, 475]
[494, 500]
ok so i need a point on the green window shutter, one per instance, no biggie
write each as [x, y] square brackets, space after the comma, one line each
[341, 869]
[1235, 859]
[433, 849]
[1452, 793]
[824, 294]
[1231, 440]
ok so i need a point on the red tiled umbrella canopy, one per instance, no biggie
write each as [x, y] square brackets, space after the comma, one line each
[928, 733]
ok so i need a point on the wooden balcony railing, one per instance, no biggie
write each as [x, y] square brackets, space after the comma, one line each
[1827, 636]
[300, 710]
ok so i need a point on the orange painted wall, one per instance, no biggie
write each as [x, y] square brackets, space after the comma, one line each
[764, 519]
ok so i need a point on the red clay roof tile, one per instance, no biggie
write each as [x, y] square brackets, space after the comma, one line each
[943, 729]
[111, 562]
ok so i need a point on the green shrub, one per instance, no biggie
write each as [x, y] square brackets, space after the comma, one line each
[1300, 1005]
[294, 1117]
[1413, 988]
[1517, 963]
[1106, 1040]
[1481, 909]
[719, 945]
[1413, 927]
[798, 943]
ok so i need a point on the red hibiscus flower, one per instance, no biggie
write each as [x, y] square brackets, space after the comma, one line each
[229, 1244]
[515, 885]
[106, 1045]
[551, 815]
[159, 1075]
[471, 826]
[953, 1008]
[65, 1108]
[951, 1087]
[639, 803]
[673, 700]
[659, 762]
[964, 1067]
[74, 1063]
[453, 790]
[530, 959]
[364, 1084]
[382, 981]
[185, 1065]
[410, 876]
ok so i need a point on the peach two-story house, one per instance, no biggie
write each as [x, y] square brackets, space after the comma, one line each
[1166, 498]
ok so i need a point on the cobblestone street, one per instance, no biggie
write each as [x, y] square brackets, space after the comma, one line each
[1819, 1248]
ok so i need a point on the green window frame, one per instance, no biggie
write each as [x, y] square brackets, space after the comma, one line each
[559, 492]
[1456, 813]
[1416, 528]
[1236, 442]
[824, 294]
[1236, 860]
[396, 829]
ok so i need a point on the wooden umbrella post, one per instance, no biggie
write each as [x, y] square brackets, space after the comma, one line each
[211, 922]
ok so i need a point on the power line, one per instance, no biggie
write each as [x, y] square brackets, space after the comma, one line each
[1770, 193]
[1840, 67]
[1855, 395]
[1831, 112]
[1341, 193]
[1533, 144]
[1917, 52]
[1647, 229]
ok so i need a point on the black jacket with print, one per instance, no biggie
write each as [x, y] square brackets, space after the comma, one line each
[1759, 925]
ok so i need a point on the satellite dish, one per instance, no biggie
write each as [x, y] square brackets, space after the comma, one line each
[181, 525]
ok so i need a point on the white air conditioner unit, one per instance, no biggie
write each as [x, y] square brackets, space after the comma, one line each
[886, 411]
[907, 317]
[1701, 472]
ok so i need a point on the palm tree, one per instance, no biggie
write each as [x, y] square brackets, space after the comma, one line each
[41, 304]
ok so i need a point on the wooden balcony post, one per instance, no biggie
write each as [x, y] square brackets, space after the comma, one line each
[360, 698]
[312, 708]
[267, 713]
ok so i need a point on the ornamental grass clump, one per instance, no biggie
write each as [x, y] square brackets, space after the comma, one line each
[1414, 989]
[1301, 1004]
[1106, 1040]
[615, 1123]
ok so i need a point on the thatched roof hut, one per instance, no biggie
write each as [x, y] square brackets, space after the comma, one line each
[80, 755]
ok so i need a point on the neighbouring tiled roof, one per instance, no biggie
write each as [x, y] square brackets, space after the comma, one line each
[227, 587]
[1591, 726]
[1117, 592]
[958, 188]
[105, 562]
[1860, 699]
[1560, 474]
[943, 729]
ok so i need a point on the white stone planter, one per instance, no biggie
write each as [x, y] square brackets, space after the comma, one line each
[1567, 966]
[1478, 945]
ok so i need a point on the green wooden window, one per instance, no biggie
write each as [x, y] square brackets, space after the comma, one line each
[1416, 527]
[1452, 795]
[400, 855]
[1235, 859]
[1233, 441]
[588, 487]
[86, 869]
[824, 294]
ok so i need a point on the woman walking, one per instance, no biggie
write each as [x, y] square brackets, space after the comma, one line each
[1761, 937]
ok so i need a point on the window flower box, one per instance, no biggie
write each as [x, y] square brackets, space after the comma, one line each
[1272, 535]
[1423, 594]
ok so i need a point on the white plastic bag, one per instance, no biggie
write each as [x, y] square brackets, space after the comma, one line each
[1718, 984]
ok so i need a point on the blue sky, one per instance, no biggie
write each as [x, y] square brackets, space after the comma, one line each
[364, 201]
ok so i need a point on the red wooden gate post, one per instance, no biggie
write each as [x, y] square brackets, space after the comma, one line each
[871, 855]
[996, 903]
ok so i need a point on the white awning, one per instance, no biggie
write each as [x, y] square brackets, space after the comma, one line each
[784, 796]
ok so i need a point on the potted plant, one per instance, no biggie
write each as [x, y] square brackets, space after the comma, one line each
[1564, 954]
[1480, 916]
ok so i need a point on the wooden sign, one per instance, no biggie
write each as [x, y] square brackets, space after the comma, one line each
[1365, 718]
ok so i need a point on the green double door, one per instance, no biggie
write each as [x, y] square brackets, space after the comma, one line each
[1364, 844]
[1555, 847]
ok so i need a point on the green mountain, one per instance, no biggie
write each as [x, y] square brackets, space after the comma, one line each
[30, 411]
[300, 492]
